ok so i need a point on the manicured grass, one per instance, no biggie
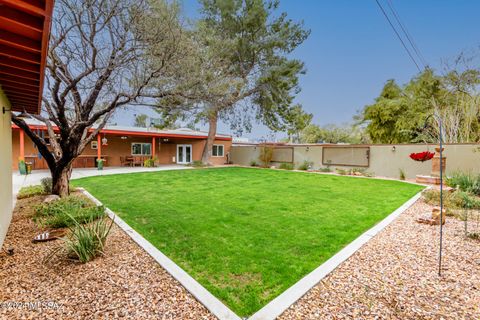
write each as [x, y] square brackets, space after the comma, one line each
[248, 234]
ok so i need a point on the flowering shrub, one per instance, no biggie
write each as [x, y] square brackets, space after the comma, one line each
[422, 156]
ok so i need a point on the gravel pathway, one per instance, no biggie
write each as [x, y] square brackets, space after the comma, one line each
[125, 283]
[394, 276]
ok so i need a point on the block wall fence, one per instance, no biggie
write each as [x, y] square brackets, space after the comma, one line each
[381, 160]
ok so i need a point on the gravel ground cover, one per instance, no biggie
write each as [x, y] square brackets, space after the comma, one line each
[394, 276]
[125, 283]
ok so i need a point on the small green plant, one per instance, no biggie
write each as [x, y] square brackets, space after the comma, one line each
[85, 241]
[464, 181]
[58, 214]
[286, 166]
[253, 163]
[305, 165]
[341, 172]
[403, 175]
[30, 191]
[452, 200]
[47, 185]
[325, 169]
[149, 163]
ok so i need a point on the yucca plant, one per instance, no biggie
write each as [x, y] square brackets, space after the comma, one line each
[85, 241]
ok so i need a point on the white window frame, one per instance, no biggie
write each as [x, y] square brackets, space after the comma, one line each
[141, 148]
[223, 150]
[94, 145]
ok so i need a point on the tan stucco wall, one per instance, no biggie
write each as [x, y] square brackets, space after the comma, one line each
[383, 160]
[5, 168]
[117, 147]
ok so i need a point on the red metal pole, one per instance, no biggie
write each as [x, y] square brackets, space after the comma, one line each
[153, 147]
[99, 147]
[22, 145]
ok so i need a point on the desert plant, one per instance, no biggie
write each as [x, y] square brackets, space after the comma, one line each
[286, 166]
[47, 185]
[266, 155]
[403, 175]
[342, 172]
[30, 191]
[305, 165]
[325, 169]
[58, 214]
[467, 182]
[253, 163]
[452, 200]
[85, 241]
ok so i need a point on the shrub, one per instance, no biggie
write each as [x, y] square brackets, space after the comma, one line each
[253, 163]
[150, 163]
[452, 200]
[198, 164]
[266, 155]
[467, 182]
[305, 165]
[325, 169]
[58, 214]
[47, 185]
[342, 172]
[85, 241]
[286, 166]
[30, 191]
[403, 175]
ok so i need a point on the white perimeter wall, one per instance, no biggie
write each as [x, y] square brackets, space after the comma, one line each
[5, 168]
[383, 160]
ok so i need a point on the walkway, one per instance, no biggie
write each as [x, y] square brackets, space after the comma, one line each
[34, 178]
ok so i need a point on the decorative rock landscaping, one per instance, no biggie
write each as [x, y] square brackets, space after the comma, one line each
[394, 276]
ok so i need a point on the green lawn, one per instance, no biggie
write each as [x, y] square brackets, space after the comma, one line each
[248, 234]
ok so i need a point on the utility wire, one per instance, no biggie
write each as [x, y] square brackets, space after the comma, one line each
[407, 34]
[398, 35]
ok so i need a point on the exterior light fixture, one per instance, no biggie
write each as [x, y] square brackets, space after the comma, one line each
[123, 137]
[394, 149]
[104, 141]
[5, 110]
[165, 140]
[308, 149]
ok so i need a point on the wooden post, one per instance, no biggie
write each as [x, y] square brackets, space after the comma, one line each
[153, 147]
[99, 147]
[22, 145]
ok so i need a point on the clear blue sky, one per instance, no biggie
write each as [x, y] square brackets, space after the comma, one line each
[352, 50]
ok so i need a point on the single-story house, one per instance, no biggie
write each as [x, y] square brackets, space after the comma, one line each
[127, 146]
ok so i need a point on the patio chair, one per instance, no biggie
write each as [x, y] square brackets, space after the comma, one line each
[126, 161]
[137, 161]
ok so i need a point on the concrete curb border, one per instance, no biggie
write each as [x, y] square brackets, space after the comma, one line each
[281, 303]
[213, 304]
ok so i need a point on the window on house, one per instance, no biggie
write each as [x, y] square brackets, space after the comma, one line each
[141, 149]
[217, 150]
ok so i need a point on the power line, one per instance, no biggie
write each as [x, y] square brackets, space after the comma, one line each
[407, 34]
[398, 35]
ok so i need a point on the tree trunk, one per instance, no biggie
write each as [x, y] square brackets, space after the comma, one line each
[61, 178]
[212, 132]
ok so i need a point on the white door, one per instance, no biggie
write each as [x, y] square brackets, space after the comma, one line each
[184, 153]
